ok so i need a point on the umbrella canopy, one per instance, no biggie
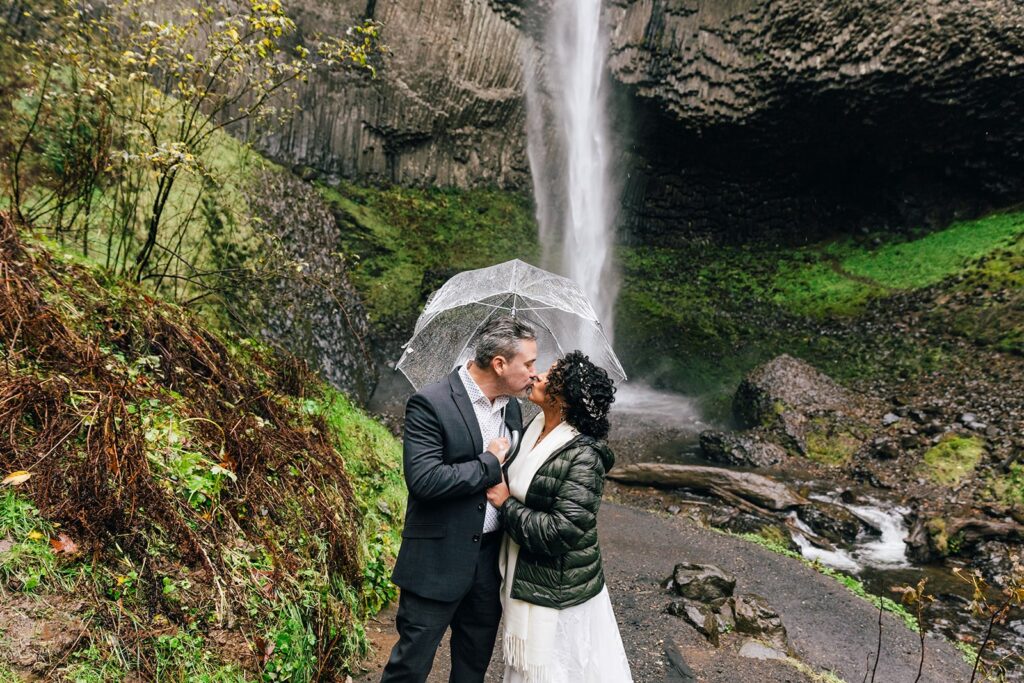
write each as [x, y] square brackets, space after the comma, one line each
[555, 306]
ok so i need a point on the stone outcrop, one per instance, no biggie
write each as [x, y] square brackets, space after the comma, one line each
[734, 116]
[310, 308]
[760, 115]
[446, 109]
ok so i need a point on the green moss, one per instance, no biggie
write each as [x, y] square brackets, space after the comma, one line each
[839, 278]
[939, 538]
[1009, 487]
[830, 444]
[952, 459]
[772, 538]
[403, 243]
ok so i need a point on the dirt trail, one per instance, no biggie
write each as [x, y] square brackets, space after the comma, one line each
[829, 628]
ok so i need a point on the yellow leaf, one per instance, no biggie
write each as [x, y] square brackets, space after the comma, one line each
[15, 478]
[34, 535]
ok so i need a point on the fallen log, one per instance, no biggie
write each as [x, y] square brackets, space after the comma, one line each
[974, 530]
[756, 488]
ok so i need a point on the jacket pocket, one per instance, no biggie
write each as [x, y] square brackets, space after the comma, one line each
[424, 531]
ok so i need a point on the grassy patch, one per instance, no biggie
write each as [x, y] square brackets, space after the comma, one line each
[952, 459]
[27, 560]
[841, 277]
[8, 676]
[403, 243]
[696, 317]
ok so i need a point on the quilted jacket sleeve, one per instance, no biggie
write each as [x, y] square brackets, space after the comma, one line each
[576, 499]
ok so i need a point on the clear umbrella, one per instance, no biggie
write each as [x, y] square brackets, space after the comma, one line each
[555, 306]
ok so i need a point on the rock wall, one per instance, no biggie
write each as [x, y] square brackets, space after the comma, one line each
[446, 110]
[311, 309]
[756, 115]
[736, 116]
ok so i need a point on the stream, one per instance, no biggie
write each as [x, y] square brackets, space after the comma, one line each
[655, 426]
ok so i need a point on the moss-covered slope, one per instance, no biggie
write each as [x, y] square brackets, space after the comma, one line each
[878, 305]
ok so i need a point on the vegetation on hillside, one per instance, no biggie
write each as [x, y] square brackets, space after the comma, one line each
[705, 314]
[113, 128]
[192, 506]
[403, 243]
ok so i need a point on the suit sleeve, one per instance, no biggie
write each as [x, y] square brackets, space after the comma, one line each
[427, 475]
[554, 532]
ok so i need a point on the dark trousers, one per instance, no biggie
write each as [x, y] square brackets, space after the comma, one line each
[473, 619]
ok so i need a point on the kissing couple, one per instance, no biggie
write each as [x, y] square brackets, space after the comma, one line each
[511, 528]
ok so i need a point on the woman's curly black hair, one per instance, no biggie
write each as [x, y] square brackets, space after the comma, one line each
[587, 390]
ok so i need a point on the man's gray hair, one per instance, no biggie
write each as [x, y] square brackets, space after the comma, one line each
[500, 336]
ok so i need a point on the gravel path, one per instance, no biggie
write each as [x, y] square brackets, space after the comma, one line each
[829, 628]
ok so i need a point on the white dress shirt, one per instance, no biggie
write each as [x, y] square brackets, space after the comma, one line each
[490, 416]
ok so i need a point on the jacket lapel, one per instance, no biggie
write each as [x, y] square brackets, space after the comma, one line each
[514, 425]
[462, 402]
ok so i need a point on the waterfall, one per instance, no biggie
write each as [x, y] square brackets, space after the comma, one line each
[568, 144]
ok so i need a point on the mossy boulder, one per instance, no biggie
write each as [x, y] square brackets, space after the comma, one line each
[787, 384]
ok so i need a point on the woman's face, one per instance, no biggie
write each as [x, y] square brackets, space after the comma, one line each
[539, 390]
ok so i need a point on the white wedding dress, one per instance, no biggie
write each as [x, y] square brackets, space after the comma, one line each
[586, 647]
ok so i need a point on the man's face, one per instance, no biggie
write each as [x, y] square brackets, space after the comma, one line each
[517, 373]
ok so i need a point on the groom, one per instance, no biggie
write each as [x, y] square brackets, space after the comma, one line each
[447, 567]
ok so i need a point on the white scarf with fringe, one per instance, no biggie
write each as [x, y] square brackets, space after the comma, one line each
[529, 641]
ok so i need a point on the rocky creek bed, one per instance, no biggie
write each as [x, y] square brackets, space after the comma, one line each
[887, 490]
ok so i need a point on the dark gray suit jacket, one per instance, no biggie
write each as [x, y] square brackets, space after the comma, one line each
[448, 473]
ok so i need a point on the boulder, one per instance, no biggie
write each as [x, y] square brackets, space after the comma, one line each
[754, 616]
[702, 582]
[702, 617]
[787, 385]
[834, 522]
[745, 449]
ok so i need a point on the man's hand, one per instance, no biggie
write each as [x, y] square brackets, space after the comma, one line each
[499, 447]
[498, 494]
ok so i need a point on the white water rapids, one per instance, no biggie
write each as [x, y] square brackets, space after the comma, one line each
[885, 551]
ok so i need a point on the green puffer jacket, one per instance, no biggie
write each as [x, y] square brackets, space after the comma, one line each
[559, 561]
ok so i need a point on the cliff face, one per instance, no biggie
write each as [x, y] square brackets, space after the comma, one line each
[783, 114]
[735, 116]
[447, 109]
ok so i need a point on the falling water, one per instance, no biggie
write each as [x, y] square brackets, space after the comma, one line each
[569, 151]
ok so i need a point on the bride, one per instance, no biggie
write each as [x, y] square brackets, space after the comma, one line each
[559, 624]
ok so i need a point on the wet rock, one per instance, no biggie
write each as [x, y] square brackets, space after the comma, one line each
[702, 582]
[885, 448]
[699, 615]
[754, 616]
[834, 522]
[677, 670]
[911, 441]
[319, 316]
[746, 449]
